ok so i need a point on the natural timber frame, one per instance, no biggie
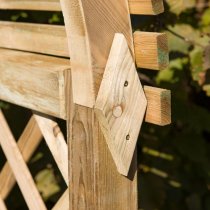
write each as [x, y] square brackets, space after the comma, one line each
[54, 85]
[147, 7]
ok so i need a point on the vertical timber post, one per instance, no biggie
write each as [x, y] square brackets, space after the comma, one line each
[95, 183]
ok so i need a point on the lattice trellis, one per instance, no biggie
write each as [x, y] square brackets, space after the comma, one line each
[18, 154]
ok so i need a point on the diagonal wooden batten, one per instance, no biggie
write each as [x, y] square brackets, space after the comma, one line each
[27, 144]
[2, 205]
[121, 104]
[19, 167]
[63, 202]
[91, 26]
[56, 143]
[149, 7]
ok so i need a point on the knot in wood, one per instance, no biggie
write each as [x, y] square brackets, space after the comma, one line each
[117, 111]
[56, 130]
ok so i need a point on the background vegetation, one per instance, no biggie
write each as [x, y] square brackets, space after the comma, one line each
[174, 161]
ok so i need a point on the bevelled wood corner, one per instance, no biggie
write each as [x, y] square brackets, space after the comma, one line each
[121, 104]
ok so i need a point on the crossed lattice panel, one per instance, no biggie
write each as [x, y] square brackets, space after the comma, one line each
[18, 154]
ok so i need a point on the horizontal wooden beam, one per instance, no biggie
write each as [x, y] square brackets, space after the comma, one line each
[41, 38]
[144, 7]
[38, 82]
[159, 106]
[151, 48]
[33, 81]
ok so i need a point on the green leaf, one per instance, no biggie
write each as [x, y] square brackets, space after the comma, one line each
[205, 20]
[178, 6]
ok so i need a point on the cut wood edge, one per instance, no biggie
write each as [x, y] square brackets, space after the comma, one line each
[151, 50]
[146, 7]
[159, 106]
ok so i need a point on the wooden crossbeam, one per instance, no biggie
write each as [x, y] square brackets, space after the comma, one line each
[43, 74]
[56, 143]
[33, 81]
[27, 144]
[42, 38]
[159, 106]
[148, 7]
[19, 167]
[151, 48]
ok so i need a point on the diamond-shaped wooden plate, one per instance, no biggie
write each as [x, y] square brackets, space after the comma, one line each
[121, 104]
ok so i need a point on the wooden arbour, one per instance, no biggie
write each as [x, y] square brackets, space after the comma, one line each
[35, 73]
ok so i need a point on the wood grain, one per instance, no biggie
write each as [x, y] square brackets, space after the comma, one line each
[36, 82]
[56, 143]
[151, 50]
[159, 106]
[121, 104]
[33, 81]
[94, 180]
[42, 38]
[27, 144]
[150, 7]
[91, 26]
[146, 7]
[19, 167]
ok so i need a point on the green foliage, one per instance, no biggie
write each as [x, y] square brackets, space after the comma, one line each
[182, 182]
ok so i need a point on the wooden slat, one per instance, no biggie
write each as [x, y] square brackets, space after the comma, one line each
[37, 82]
[2, 205]
[148, 7]
[63, 202]
[159, 106]
[19, 167]
[42, 38]
[45, 5]
[151, 48]
[33, 81]
[56, 143]
[27, 144]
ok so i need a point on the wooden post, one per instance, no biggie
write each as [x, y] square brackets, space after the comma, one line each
[94, 180]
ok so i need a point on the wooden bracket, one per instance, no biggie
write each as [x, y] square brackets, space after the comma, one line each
[121, 104]
[90, 27]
